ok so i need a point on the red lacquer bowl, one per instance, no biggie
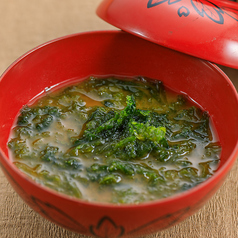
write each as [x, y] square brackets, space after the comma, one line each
[117, 53]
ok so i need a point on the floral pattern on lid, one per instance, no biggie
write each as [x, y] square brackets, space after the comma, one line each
[201, 28]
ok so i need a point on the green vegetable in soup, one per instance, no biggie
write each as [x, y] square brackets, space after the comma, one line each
[115, 140]
[123, 132]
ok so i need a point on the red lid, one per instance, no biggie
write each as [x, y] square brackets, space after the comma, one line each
[204, 29]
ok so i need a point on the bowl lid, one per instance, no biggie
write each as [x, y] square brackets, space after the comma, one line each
[202, 28]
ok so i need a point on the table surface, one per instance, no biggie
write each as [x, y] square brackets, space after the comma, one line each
[25, 24]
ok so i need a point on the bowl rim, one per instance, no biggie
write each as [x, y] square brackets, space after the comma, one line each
[223, 170]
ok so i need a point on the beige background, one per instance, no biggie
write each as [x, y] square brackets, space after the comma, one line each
[25, 24]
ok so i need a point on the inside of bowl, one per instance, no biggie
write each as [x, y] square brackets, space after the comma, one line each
[117, 53]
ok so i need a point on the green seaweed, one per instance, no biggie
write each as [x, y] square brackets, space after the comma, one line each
[134, 137]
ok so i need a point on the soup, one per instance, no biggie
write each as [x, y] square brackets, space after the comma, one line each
[115, 140]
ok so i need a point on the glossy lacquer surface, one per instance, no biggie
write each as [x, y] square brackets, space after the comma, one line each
[116, 53]
[205, 29]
